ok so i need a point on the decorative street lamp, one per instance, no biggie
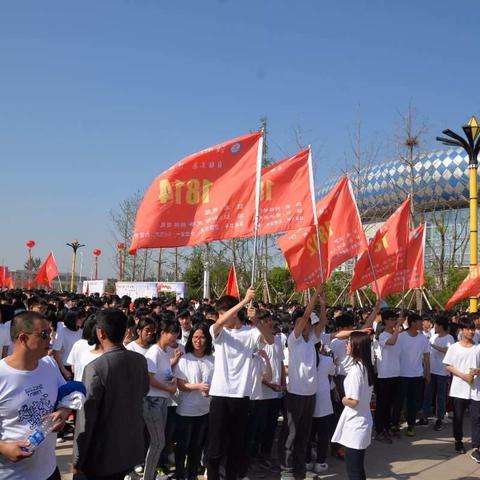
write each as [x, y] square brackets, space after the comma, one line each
[75, 246]
[472, 146]
[30, 244]
[121, 248]
[96, 254]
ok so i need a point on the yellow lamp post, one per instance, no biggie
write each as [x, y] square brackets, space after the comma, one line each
[472, 146]
[75, 246]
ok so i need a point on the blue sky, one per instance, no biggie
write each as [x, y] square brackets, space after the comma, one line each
[97, 98]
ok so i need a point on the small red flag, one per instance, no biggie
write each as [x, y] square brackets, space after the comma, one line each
[3, 276]
[340, 234]
[232, 285]
[9, 281]
[386, 251]
[470, 287]
[48, 272]
[286, 195]
[413, 275]
[207, 196]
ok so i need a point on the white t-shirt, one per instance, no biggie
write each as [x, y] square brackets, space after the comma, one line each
[354, 429]
[84, 358]
[158, 363]
[135, 347]
[8, 341]
[26, 397]
[194, 369]
[388, 357]
[78, 347]
[258, 371]
[436, 358]
[275, 355]
[343, 362]
[4, 336]
[302, 368]
[463, 358]
[323, 399]
[411, 354]
[234, 348]
[65, 340]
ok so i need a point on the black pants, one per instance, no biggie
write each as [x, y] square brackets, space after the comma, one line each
[338, 405]
[191, 434]
[113, 476]
[321, 433]
[354, 460]
[459, 407]
[299, 421]
[270, 426]
[411, 389]
[55, 475]
[387, 389]
[226, 435]
[169, 435]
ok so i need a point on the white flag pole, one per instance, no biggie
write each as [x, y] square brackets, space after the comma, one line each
[257, 205]
[314, 207]
[58, 275]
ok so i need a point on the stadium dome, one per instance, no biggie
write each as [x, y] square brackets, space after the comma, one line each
[440, 181]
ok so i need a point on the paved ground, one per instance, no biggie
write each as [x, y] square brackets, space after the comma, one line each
[428, 456]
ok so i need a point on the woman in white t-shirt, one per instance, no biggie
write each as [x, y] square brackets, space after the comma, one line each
[194, 373]
[146, 328]
[354, 429]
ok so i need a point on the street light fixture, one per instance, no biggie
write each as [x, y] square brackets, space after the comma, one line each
[472, 146]
[75, 245]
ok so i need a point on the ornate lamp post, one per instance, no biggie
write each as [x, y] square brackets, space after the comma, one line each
[96, 254]
[121, 249]
[75, 245]
[472, 146]
[30, 244]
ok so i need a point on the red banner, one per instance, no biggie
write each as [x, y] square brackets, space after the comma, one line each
[207, 196]
[386, 249]
[4, 274]
[47, 273]
[232, 284]
[340, 234]
[470, 287]
[413, 275]
[286, 198]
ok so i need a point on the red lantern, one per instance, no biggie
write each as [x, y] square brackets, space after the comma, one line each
[30, 244]
[97, 252]
[121, 246]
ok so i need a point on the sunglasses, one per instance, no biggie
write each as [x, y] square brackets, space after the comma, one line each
[44, 334]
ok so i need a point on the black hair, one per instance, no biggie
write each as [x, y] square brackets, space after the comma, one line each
[225, 303]
[344, 320]
[466, 322]
[89, 327]
[183, 314]
[361, 352]
[412, 317]
[145, 322]
[388, 313]
[205, 328]
[167, 326]
[23, 323]
[114, 324]
[442, 321]
[70, 319]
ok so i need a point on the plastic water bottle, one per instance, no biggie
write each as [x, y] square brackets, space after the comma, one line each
[168, 374]
[40, 433]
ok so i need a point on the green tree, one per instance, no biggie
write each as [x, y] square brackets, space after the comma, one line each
[193, 275]
[36, 264]
[281, 282]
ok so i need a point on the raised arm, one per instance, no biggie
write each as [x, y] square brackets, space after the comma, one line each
[302, 321]
[320, 326]
[371, 318]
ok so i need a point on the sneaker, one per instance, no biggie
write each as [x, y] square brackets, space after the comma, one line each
[410, 432]
[459, 448]
[286, 473]
[310, 475]
[383, 437]
[438, 425]
[475, 455]
[395, 431]
[321, 467]
[309, 467]
[60, 440]
[423, 422]
[162, 477]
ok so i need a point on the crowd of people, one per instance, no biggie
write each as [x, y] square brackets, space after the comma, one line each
[231, 389]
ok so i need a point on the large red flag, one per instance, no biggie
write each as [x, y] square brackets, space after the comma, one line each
[9, 281]
[340, 234]
[386, 251]
[48, 272]
[287, 197]
[207, 196]
[412, 276]
[232, 284]
[470, 287]
[3, 276]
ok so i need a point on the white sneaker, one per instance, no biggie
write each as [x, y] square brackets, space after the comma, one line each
[60, 440]
[162, 477]
[321, 467]
[310, 475]
[309, 466]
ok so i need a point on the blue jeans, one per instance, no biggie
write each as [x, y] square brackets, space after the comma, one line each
[437, 387]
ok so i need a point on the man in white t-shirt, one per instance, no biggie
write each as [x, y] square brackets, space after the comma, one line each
[436, 390]
[463, 362]
[231, 385]
[414, 370]
[28, 392]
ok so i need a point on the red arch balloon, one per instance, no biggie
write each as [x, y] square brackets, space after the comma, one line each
[97, 252]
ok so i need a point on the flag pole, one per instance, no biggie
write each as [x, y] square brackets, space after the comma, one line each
[257, 205]
[314, 208]
[406, 257]
[58, 276]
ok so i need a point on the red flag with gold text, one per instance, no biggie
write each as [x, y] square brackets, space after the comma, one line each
[413, 275]
[470, 287]
[386, 249]
[286, 195]
[47, 273]
[207, 196]
[340, 234]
